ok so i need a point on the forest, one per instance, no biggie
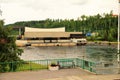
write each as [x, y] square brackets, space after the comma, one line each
[104, 25]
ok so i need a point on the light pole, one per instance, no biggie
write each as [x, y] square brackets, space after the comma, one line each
[118, 53]
[0, 12]
[1, 18]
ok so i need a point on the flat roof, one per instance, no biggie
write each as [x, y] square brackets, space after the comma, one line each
[48, 34]
[28, 29]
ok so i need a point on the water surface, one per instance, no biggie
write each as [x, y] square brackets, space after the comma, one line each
[55, 52]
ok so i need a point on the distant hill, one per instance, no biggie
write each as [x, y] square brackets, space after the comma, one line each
[105, 25]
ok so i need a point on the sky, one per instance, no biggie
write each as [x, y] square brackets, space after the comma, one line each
[27, 10]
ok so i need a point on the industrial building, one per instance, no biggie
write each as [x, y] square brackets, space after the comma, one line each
[52, 36]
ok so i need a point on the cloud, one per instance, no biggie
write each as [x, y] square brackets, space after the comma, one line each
[17, 10]
[9, 1]
[79, 2]
[45, 5]
[38, 4]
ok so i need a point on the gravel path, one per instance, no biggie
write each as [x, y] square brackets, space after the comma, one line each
[63, 74]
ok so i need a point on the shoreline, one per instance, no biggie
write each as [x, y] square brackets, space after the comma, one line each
[24, 43]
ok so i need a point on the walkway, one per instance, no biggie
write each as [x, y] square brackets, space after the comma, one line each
[63, 74]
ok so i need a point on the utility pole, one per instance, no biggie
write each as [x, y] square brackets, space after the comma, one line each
[0, 11]
[118, 50]
[1, 18]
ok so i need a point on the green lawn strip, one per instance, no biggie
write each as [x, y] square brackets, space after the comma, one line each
[31, 66]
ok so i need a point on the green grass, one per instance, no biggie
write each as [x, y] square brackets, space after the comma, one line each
[31, 66]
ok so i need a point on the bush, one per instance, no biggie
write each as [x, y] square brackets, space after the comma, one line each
[53, 64]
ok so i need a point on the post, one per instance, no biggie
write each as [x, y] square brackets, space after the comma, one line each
[118, 53]
[19, 31]
[0, 12]
[83, 63]
[1, 18]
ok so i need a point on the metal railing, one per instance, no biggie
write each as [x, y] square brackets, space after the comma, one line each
[107, 67]
[95, 67]
[43, 64]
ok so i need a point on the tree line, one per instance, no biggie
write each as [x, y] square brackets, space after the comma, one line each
[104, 25]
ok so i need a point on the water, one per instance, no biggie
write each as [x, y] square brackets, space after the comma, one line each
[88, 52]
[101, 53]
[38, 53]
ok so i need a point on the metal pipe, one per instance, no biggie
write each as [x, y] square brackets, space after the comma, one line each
[118, 56]
[118, 48]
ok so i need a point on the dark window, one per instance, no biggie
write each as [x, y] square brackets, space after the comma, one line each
[77, 35]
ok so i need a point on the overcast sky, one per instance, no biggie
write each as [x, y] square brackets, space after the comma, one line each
[26, 10]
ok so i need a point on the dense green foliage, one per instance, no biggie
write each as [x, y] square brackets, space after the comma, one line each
[105, 25]
[8, 50]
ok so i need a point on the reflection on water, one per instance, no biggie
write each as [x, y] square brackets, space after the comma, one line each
[89, 52]
[101, 53]
[38, 53]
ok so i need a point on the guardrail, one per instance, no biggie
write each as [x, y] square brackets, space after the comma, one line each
[43, 64]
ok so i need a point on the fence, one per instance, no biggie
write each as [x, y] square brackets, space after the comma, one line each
[96, 67]
[87, 65]
[108, 67]
[43, 64]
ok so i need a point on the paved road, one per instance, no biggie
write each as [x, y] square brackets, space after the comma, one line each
[63, 74]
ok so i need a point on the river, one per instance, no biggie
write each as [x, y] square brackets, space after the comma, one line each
[55, 52]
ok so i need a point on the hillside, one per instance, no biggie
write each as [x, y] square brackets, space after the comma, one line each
[104, 25]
